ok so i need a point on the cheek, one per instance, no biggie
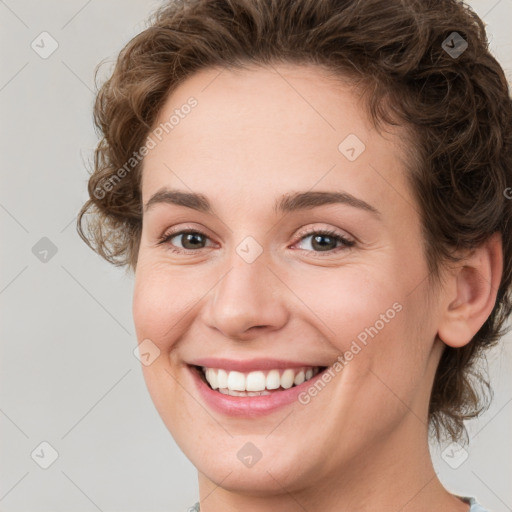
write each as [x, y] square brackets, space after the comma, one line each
[162, 304]
[375, 323]
[351, 304]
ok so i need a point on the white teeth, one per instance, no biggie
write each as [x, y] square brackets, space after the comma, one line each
[211, 377]
[299, 378]
[236, 381]
[257, 393]
[273, 379]
[255, 381]
[222, 378]
[287, 378]
[258, 382]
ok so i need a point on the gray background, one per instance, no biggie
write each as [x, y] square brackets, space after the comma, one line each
[68, 373]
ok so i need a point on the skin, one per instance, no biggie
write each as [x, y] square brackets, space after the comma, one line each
[361, 443]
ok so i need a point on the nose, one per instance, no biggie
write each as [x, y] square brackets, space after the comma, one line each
[248, 301]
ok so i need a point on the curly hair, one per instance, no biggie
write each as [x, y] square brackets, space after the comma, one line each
[455, 106]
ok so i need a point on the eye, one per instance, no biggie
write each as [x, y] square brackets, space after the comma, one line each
[189, 239]
[325, 240]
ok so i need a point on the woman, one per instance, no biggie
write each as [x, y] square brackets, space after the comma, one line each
[312, 196]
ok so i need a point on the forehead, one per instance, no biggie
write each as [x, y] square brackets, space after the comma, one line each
[261, 131]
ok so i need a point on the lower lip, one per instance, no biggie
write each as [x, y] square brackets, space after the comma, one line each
[250, 406]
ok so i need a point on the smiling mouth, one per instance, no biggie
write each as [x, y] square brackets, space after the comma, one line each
[256, 383]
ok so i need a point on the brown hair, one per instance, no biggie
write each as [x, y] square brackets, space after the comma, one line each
[456, 108]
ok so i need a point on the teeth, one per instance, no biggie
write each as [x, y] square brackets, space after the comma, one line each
[273, 379]
[255, 381]
[222, 378]
[299, 378]
[236, 381]
[287, 378]
[258, 382]
[211, 377]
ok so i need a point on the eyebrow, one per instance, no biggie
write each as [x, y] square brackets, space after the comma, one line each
[286, 203]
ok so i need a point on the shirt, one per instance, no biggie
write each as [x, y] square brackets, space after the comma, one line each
[475, 507]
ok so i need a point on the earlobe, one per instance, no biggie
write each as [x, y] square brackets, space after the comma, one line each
[471, 293]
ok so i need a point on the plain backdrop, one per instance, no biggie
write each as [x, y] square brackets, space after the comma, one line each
[69, 378]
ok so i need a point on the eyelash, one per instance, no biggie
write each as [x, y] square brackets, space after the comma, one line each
[165, 239]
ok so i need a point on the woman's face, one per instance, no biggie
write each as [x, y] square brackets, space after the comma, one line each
[306, 253]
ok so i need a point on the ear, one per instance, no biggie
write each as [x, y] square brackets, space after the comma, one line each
[471, 293]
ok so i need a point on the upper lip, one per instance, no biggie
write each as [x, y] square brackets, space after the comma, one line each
[249, 364]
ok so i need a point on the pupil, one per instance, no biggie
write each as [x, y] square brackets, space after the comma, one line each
[192, 238]
[316, 243]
